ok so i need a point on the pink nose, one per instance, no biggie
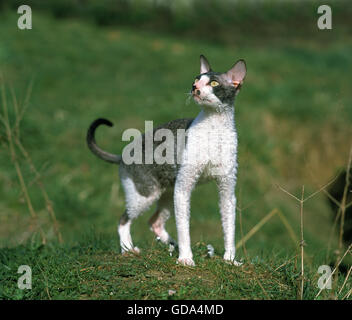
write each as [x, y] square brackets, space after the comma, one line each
[197, 85]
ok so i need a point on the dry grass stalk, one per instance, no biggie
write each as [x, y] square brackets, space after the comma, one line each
[340, 216]
[37, 178]
[256, 228]
[336, 268]
[338, 204]
[285, 263]
[13, 139]
[6, 122]
[302, 243]
[246, 255]
[344, 283]
[344, 198]
[301, 201]
[347, 294]
[342, 211]
[287, 226]
[337, 217]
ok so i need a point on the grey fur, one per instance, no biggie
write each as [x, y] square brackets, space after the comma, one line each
[145, 176]
[148, 176]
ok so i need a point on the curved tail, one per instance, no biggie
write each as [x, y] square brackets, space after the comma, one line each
[109, 157]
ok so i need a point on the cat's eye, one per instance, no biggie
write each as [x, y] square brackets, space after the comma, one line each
[214, 83]
[196, 80]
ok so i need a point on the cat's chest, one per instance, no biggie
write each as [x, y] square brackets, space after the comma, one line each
[211, 140]
[204, 135]
[214, 129]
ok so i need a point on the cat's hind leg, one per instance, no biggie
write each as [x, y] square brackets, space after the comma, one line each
[136, 204]
[159, 218]
[124, 231]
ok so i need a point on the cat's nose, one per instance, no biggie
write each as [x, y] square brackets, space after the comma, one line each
[195, 90]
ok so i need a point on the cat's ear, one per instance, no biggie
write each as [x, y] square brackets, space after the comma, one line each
[204, 65]
[237, 73]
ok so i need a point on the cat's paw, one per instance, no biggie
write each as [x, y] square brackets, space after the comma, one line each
[230, 258]
[186, 262]
[234, 262]
[134, 250]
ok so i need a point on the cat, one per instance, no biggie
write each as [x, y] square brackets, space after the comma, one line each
[171, 184]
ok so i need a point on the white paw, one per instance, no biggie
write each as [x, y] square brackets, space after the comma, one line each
[230, 258]
[234, 262]
[186, 262]
[135, 250]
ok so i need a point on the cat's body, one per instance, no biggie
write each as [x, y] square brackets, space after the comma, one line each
[209, 152]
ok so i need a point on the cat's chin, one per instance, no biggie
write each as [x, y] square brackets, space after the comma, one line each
[197, 100]
[205, 103]
[202, 102]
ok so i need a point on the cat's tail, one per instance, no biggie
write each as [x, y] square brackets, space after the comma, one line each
[109, 157]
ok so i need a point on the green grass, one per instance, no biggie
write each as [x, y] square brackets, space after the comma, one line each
[92, 269]
[293, 118]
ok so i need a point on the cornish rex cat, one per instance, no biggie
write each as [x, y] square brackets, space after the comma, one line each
[207, 149]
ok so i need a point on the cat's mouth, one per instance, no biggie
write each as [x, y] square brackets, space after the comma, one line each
[196, 96]
[198, 99]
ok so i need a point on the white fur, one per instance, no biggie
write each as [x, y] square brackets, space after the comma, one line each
[214, 127]
[208, 165]
[135, 205]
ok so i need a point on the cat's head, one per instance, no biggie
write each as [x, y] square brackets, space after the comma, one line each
[214, 88]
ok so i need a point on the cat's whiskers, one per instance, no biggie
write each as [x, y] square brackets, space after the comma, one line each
[188, 99]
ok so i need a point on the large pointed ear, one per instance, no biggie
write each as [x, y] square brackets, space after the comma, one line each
[204, 65]
[237, 73]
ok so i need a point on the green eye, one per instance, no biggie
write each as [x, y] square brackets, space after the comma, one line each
[214, 83]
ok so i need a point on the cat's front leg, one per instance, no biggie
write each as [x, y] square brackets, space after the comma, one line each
[226, 187]
[185, 182]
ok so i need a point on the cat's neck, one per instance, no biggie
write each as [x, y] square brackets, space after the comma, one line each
[223, 115]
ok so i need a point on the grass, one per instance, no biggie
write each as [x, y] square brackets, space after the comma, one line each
[293, 118]
[92, 269]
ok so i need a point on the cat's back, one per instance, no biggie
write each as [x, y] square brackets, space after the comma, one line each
[146, 176]
[173, 125]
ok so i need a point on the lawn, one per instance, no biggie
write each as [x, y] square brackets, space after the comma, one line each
[293, 117]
